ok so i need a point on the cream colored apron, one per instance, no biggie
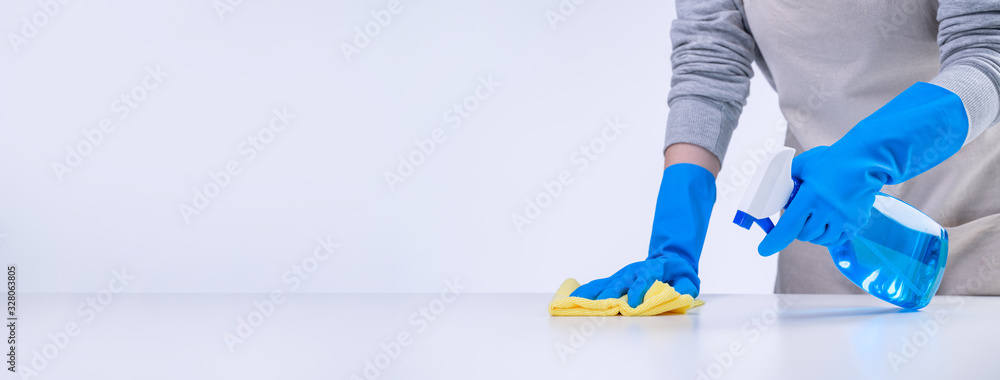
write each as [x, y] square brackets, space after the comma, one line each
[834, 62]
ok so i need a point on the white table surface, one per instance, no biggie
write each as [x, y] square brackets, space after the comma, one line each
[510, 336]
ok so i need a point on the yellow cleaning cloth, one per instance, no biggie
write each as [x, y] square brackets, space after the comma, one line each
[660, 298]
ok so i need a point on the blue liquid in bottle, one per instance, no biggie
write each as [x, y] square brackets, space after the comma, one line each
[899, 256]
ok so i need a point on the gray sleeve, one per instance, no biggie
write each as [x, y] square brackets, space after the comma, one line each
[712, 53]
[969, 37]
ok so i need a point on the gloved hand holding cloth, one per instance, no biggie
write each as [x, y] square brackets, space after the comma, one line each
[683, 207]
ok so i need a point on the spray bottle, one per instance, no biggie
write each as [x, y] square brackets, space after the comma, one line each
[898, 256]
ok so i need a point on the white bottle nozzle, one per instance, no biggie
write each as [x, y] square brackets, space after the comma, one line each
[769, 190]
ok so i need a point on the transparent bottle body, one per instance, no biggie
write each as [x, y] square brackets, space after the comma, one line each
[898, 256]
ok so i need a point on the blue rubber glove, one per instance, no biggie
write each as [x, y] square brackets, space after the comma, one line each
[683, 207]
[915, 131]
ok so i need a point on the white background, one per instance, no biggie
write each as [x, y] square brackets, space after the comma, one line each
[324, 174]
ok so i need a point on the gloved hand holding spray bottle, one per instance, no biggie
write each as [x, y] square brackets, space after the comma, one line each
[831, 196]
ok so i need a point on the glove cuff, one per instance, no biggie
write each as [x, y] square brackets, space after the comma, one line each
[915, 131]
[683, 208]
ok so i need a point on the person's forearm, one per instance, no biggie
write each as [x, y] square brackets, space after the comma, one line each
[969, 37]
[691, 154]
